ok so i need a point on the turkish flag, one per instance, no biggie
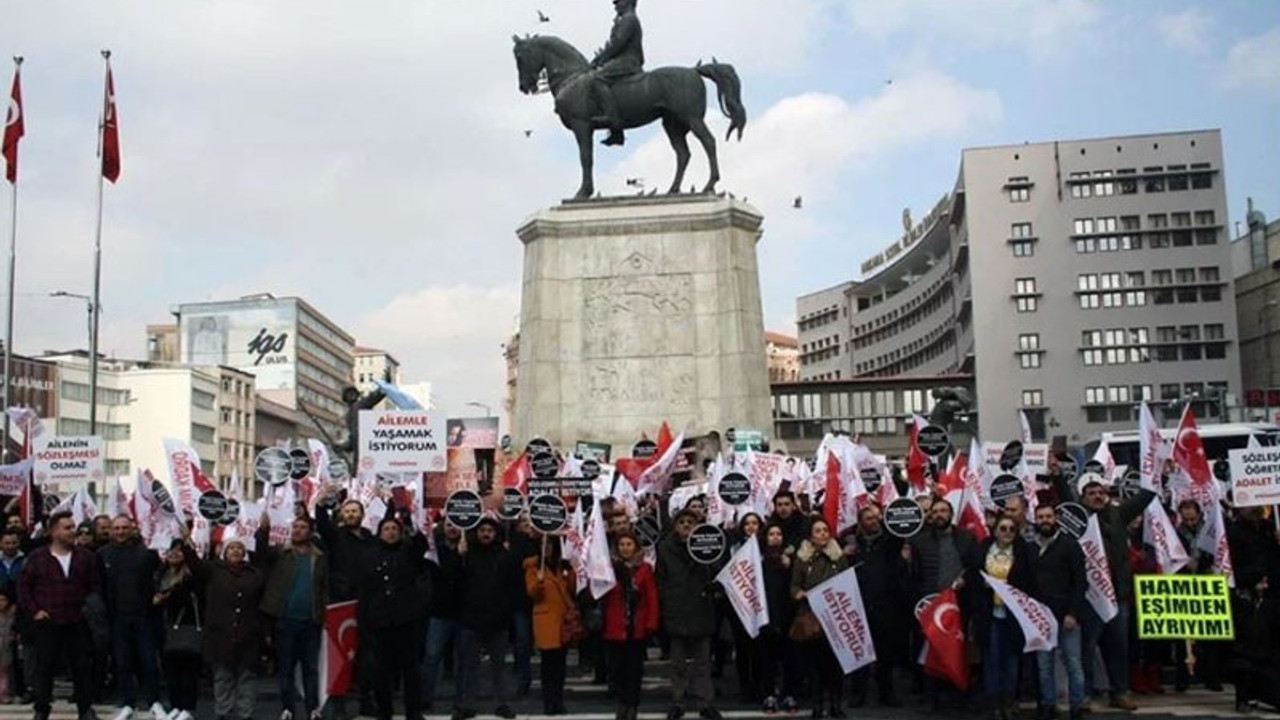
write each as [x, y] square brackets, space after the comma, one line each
[1188, 450]
[517, 474]
[338, 652]
[943, 629]
[832, 499]
[917, 461]
[14, 129]
[110, 131]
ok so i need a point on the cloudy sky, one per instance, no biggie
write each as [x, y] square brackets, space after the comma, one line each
[372, 156]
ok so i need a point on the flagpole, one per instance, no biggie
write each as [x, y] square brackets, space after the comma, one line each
[8, 330]
[94, 310]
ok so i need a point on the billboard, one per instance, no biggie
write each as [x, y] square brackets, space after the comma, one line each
[257, 338]
[474, 433]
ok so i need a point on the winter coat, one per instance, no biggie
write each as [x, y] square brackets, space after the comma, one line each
[813, 566]
[685, 589]
[777, 592]
[346, 552]
[493, 584]
[394, 586]
[926, 558]
[1254, 553]
[552, 596]
[641, 590]
[1060, 581]
[446, 581]
[1113, 521]
[282, 566]
[128, 577]
[182, 604]
[232, 620]
[882, 575]
[9, 574]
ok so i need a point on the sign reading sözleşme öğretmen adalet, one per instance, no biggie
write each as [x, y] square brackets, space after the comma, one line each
[1255, 476]
[402, 441]
[1183, 607]
[564, 487]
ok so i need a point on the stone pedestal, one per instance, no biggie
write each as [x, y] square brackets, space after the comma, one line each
[639, 310]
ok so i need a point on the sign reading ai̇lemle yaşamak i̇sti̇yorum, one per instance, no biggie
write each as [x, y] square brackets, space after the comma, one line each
[400, 441]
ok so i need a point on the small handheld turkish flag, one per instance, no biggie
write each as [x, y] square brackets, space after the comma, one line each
[110, 129]
[14, 128]
[1188, 450]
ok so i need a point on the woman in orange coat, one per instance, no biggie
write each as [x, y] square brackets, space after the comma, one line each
[551, 584]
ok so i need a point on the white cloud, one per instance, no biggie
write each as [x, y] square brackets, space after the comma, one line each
[1187, 30]
[1255, 62]
[1042, 28]
[454, 335]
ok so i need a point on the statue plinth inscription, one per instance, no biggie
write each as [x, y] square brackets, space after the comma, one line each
[636, 311]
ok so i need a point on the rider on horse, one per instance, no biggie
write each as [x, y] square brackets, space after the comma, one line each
[621, 58]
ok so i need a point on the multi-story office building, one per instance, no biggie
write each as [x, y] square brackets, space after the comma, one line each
[300, 359]
[1256, 257]
[1071, 278]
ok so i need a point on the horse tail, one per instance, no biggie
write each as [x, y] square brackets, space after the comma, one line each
[729, 90]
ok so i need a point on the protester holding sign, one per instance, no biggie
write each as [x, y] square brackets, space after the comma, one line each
[688, 617]
[1007, 557]
[631, 615]
[550, 583]
[1060, 584]
[819, 559]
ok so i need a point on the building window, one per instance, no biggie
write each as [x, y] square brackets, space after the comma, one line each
[1209, 274]
[1032, 398]
[1083, 226]
[1154, 184]
[1024, 286]
[1029, 360]
[1215, 331]
[1086, 245]
[1028, 304]
[1024, 248]
[1080, 189]
[1095, 395]
[1128, 183]
[202, 399]
[1022, 193]
[1105, 186]
[1020, 230]
[202, 433]
[1157, 221]
[1029, 341]
[1201, 181]
[1106, 224]
[1204, 217]
[1178, 181]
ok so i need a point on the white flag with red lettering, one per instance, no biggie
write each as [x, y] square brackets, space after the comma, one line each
[837, 603]
[1102, 592]
[743, 582]
[1039, 626]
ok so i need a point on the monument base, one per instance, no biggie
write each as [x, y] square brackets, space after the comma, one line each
[638, 310]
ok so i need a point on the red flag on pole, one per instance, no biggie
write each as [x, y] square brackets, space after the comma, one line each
[943, 629]
[917, 461]
[110, 131]
[337, 661]
[14, 127]
[1188, 450]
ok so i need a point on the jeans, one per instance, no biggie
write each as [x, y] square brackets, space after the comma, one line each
[440, 632]
[298, 642]
[133, 648]
[471, 643]
[1000, 659]
[52, 640]
[1113, 639]
[1069, 649]
[522, 646]
[691, 680]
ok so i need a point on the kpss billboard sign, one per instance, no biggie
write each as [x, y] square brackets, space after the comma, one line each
[402, 441]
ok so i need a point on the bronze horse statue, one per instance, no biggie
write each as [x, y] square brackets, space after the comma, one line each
[674, 95]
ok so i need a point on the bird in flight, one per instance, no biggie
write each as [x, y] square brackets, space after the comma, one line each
[635, 182]
[528, 133]
[798, 203]
[543, 18]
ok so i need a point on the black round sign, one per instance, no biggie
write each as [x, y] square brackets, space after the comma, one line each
[212, 505]
[1072, 518]
[870, 478]
[544, 465]
[272, 466]
[463, 509]
[1222, 470]
[1067, 467]
[51, 502]
[162, 496]
[1005, 487]
[338, 470]
[231, 514]
[735, 488]
[536, 446]
[933, 440]
[706, 544]
[548, 514]
[1011, 456]
[1130, 484]
[903, 517]
[646, 527]
[644, 449]
[1096, 467]
[299, 463]
[590, 469]
[512, 503]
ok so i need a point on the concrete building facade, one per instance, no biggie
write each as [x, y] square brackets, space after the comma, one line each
[1071, 278]
[782, 352]
[1256, 257]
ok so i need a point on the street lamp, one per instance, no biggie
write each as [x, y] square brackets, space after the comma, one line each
[93, 356]
[482, 406]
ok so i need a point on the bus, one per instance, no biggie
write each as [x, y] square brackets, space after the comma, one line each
[1218, 439]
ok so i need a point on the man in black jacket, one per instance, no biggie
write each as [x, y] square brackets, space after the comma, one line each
[876, 556]
[394, 593]
[128, 582]
[348, 545]
[688, 617]
[795, 526]
[1060, 583]
[492, 583]
[443, 630]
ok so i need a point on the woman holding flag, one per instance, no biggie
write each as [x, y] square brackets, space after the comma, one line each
[1007, 557]
[819, 559]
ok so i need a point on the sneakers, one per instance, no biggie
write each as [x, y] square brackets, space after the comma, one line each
[789, 705]
[770, 705]
[182, 715]
[286, 715]
[158, 712]
[124, 713]
[1123, 702]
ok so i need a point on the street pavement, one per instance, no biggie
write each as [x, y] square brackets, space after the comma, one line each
[586, 701]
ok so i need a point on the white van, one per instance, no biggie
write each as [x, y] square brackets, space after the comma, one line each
[1218, 439]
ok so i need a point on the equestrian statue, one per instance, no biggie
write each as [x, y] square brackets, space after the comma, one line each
[613, 92]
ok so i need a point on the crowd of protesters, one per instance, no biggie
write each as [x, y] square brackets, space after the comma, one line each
[143, 628]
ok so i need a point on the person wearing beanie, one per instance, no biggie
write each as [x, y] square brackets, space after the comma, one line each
[232, 642]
